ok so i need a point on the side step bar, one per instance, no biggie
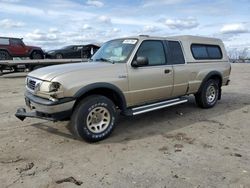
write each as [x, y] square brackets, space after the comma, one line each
[158, 105]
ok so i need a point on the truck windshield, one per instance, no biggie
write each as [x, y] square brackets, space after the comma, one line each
[115, 51]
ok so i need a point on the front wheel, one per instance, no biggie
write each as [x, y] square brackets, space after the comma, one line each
[94, 118]
[59, 56]
[208, 96]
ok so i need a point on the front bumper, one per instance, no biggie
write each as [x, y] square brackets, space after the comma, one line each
[46, 109]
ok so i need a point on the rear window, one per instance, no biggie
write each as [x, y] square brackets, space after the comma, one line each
[205, 51]
[4, 41]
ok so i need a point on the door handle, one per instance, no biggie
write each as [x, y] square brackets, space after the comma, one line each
[167, 71]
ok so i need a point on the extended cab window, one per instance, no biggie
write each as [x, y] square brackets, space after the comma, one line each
[176, 54]
[154, 51]
[205, 51]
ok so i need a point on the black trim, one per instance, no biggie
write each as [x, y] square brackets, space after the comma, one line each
[103, 85]
[36, 50]
[46, 102]
[209, 75]
[59, 116]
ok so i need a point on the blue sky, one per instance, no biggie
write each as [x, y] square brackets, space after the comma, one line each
[52, 24]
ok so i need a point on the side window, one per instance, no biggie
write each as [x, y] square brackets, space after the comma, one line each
[199, 52]
[4, 41]
[176, 54]
[205, 51]
[154, 51]
[214, 52]
[16, 42]
[78, 48]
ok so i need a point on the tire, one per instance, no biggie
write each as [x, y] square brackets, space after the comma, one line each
[208, 95]
[94, 118]
[59, 56]
[37, 55]
[5, 55]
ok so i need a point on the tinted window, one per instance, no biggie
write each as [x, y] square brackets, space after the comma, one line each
[214, 52]
[17, 42]
[176, 55]
[203, 51]
[154, 51]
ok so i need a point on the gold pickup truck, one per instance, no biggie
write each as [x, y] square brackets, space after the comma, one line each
[129, 76]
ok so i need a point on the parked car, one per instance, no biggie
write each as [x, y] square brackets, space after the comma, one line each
[15, 47]
[132, 76]
[73, 51]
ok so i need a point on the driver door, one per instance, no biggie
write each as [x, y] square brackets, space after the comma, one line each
[152, 82]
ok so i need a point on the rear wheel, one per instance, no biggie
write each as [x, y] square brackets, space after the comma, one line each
[94, 118]
[36, 55]
[59, 56]
[208, 96]
[5, 55]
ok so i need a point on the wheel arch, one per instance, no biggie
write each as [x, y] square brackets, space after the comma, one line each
[6, 50]
[106, 89]
[59, 53]
[36, 50]
[212, 75]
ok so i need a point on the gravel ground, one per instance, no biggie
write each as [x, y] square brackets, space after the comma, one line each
[181, 146]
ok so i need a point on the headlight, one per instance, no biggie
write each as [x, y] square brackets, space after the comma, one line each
[50, 86]
[54, 86]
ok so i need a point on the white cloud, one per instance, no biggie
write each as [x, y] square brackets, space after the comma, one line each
[150, 3]
[104, 19]
[86, 27]
[115, 30]
[37, 35]
[8, 24]
[150, 29]
[53, 30]
[181, 24]
[10, 1]
[234, 28]
[95, 3]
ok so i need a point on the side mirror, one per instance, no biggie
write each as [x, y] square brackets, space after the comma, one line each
[140, 61]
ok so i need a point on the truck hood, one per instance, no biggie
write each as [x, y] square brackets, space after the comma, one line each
[50, 72]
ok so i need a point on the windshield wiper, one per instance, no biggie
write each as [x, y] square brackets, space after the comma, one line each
[105, 60]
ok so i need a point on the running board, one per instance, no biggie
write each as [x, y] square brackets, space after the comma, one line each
[157, 106]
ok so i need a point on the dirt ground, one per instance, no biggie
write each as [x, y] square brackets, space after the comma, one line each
[181, 146]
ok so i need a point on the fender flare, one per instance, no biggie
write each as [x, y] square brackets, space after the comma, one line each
[208, 76]
[103, 85]
[32, 50]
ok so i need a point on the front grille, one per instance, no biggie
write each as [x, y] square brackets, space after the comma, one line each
[31, 84]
